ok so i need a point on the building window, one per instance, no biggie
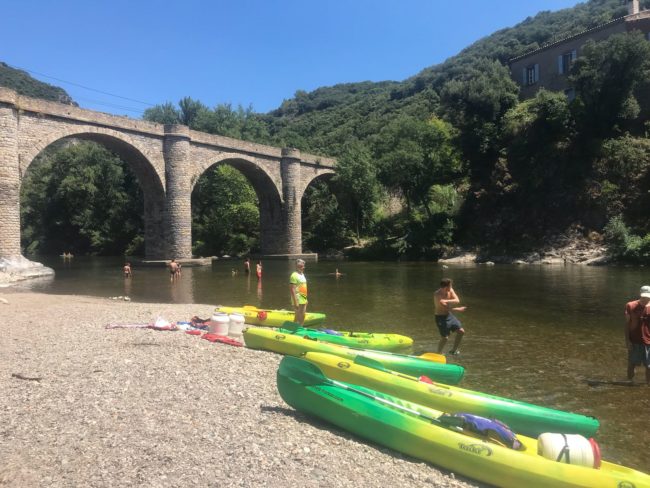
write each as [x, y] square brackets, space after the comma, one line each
[565, 62]
[531, 74]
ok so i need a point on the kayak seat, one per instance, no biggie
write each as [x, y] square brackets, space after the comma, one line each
[483, 428]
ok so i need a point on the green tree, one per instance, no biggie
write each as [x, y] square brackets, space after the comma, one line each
[607, 78]
[414, 155]
[190, 110]
[325, 227]
[225, 213]
[356, 178]
[80, 198]
[166, 113]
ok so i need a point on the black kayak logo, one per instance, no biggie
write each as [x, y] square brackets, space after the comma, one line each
[479, 449]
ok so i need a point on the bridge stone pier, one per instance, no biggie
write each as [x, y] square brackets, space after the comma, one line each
[167, 161]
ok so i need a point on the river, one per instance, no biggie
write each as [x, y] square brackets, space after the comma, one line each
[535, 333]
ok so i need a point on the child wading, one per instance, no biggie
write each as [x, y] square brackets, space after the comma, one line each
[443, 299]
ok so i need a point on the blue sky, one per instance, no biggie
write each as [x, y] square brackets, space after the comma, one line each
[248, 52]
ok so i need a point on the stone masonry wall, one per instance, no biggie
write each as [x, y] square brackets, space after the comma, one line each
[9, 184]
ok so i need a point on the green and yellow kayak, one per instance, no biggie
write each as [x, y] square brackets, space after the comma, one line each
[359, 340]
[429, 364]
[423, 433]
[270, 318]
[524, 418]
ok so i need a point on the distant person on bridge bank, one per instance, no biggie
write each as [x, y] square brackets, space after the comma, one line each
[637, 333]
[298, 290]
[447, 323]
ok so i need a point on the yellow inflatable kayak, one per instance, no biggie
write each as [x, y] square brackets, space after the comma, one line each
[359, 340]
[478, 448]
[270, 318]
[429, 364]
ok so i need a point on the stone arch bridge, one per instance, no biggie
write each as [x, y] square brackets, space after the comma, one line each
[167, 161]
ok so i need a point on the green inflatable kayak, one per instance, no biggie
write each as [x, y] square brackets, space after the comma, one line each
[471, 448]
[525, 418]
[429, 365]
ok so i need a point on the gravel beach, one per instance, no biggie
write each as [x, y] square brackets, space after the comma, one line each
[87, 406]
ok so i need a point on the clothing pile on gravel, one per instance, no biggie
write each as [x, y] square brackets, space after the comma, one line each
[82, 405]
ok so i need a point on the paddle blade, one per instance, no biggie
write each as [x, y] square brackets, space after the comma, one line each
[302, 371]
[291, 326]
[369, 363]
[433, 357]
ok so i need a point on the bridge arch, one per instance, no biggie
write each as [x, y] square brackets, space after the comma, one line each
[265, 187]
[146, 173]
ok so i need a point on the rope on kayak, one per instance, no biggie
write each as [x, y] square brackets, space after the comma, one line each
[565, 451]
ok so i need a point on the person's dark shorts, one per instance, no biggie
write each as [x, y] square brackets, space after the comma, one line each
[447, 324]
[640, 354]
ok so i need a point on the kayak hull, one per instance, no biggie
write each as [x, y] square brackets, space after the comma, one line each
[292, 345]
[270, 318]
[360, 340]
[410, 434]
[525, 418]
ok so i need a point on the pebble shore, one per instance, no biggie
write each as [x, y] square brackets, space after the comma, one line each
[82, 405]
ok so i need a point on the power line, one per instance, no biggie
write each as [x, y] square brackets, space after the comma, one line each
[83, 86]
[112, 105]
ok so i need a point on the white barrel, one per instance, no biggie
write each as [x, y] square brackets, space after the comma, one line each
[236, 324]
[568, 449]
[219, 323]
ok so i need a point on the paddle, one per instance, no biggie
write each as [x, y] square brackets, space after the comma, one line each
[311, 375]
[612, 383]
[291, 326]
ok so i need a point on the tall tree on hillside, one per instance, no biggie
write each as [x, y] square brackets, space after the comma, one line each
[536, 137]
[356, 176]
[414, 155]
[608, 78]
[474, 101]
[190, 110]
[163, 114]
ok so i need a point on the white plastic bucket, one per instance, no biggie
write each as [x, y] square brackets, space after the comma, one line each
[569, 449]
[219, 323]
[236, 324]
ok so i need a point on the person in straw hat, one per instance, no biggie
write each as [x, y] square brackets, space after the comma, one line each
[637, 333]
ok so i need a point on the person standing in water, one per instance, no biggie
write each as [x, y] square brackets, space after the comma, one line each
[258, 270]
[173, 270]
[247, 266]
[637, 333]
[127, 270]
[447, 323]
[298, 290]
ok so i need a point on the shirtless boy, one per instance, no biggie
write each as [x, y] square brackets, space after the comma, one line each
[443, 299]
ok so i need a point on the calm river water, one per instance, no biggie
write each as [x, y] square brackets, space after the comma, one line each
[534, 333]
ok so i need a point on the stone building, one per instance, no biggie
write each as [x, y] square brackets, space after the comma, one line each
[549, 66]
